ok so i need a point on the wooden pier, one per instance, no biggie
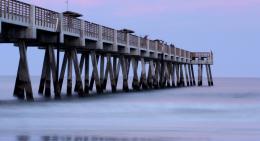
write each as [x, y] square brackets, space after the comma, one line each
[109, 52]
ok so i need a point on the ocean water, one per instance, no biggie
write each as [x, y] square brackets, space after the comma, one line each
[229, 111]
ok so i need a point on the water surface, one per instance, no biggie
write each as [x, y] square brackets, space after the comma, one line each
[228, 111]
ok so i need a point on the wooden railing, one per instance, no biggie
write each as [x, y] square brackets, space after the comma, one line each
[200, 54]
[152, 45]
[173, 50]
[108, 34]
[183, 53]
[160, 47]
[133, 40]
[178, 52]
[143, 43]
[72, 25]
[15, 11]
[121, 37]
[46, 18]
[188, 55]
[91, 30]
[167, 49]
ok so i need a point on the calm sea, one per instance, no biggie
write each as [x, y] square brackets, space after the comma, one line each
[229, 111]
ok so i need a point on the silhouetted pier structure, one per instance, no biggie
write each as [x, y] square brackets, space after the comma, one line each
[109, 52]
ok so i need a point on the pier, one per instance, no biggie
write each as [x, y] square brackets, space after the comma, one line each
[109, 52]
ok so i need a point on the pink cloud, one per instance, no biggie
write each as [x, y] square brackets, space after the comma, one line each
[149, 7]
[61, 4]
[156, 7]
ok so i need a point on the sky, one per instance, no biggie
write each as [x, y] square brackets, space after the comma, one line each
[230, 28]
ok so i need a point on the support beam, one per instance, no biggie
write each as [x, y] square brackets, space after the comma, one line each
[124, 72]
[63, 69]
[69, 74]
[86, 84]
[95, 72]
[187, 75]
[23, 81]
[173, 75]
[96, 61]
[200, 67]
[193, 75]
[210, 75]
[143, 80]
[190, 75]
[43, 75]
[170, 74]
[109, 72]
[150, 74]
[182, 83]
[156, 77]
[77, 73]
[102, 69]
[178, 75]
[135, 83]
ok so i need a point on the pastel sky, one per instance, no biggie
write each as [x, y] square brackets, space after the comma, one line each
[230, 28]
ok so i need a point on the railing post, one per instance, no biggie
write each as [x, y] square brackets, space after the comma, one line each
[82, 36]
[156, 49]
[31, 31]
[127, 43]
[174, 53]
[139, 45]
[147, 44]
[60, 28]
[100, 37]
[0, 26]
[115, 48]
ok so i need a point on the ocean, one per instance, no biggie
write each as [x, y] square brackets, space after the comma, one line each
[229, 111]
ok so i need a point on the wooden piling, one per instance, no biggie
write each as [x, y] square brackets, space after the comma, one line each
[23, 77]
[95, 74]
[178, 75]
[156, 77]
[143, 80]
[77, 73]
[86, 84]
[210, 75]
[124, 72]
[187, 75]
[193, 76]
[135, 83]
[173, 75]
[182, 83]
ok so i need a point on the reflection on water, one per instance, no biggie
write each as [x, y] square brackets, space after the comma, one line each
[99, 138]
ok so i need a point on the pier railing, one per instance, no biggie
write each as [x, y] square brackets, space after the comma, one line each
[72, 25]
[143, 43]
[91, 30]
[160, 47]
[107, 34]
[121, 37]
[15, 11]
[178, 52]
[173, 51]
[152, 45]
[20, 13]
[46, 18]
[133, 40]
